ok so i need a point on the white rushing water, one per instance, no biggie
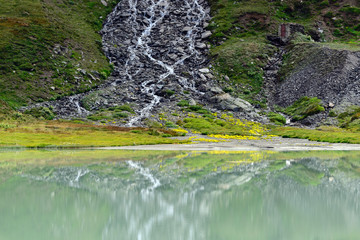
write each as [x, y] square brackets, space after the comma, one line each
[80, 110]
[155, 13]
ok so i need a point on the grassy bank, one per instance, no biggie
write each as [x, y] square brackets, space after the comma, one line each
[73, 135]
[325, 134]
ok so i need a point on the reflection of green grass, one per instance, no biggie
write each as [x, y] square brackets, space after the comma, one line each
[350, 166]
[76, 157]
[303, 175]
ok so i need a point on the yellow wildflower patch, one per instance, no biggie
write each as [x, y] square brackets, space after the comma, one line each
[180, 130]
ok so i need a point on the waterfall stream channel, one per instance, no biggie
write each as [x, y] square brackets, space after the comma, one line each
[158, 48]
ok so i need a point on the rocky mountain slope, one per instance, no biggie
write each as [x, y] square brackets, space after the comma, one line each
[213, 55]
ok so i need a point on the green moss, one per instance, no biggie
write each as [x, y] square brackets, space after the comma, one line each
[168, 92]
[120, 115]
[170, 124]
[304, 107]
[183, 103]
[124, 107]
[276, 118]
[350, 119]
[351, 10]
[41, 113]
[332, 114]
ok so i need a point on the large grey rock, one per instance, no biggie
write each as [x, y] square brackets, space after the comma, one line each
[186, 29]
[204, 70]
[206, 34]
[216, 90]
[227, 102]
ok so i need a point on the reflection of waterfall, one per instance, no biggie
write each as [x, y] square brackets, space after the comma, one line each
[265, 198]
[146, 173]
[149, 56]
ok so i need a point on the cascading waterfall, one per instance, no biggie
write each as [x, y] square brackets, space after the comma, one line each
[149, 50]
[155, 46]
[80, 110]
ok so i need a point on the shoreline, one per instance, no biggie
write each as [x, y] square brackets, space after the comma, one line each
[274, 144]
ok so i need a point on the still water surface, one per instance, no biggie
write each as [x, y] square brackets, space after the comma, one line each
[99, 194]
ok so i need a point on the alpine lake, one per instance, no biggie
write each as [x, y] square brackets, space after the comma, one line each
[213, 195]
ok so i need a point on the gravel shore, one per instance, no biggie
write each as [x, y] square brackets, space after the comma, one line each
[273, 144]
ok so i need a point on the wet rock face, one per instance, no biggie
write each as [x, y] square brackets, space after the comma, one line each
[154, 46]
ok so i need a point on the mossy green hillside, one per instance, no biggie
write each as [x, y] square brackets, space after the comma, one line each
[242, 61]
[50, 48]
[240, 49]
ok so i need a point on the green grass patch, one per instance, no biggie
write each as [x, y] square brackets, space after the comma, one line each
[276, 118]
[183, 103]
[42, 113]
[303, 108]
[112, 113]
[350, 119]
[214, 126]
[332, 135]
[70, 135]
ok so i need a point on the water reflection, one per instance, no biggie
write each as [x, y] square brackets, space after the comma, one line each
[174, 198]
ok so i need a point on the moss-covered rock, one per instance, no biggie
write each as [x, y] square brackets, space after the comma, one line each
[304, 107]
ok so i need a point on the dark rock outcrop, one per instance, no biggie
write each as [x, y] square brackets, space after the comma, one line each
[329, 74]
[313, 70]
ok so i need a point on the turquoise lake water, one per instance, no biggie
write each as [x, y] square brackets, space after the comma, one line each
[158, 195]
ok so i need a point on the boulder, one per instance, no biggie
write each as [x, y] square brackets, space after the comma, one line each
[206, 34]
[204, 70]
[187, 29]
[227, 102]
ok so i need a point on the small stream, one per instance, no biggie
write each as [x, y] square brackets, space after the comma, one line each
[179, 195]
[149, 55]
